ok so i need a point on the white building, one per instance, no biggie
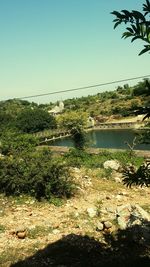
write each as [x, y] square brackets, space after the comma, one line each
[57, 109]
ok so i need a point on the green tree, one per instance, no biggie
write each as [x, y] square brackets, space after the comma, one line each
[139, 25]
[6, 120]
[35, 120]
[75, 122]
[70, 119]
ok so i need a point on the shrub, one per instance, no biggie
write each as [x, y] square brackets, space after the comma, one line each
[36, 174]
[14, 143]
[134, 176]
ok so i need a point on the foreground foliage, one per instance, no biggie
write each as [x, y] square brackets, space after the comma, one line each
[139, 176]
[34, 173]
[139, 25]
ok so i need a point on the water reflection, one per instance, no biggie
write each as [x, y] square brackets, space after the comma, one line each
[106, 139]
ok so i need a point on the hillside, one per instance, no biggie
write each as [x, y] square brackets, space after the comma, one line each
[122, 101]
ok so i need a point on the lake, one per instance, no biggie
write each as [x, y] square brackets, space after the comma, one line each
[106, 139]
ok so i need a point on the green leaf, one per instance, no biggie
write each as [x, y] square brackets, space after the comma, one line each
[130, 30]
[134, 28]
[126, 35]
[138, 15]
[117, 14]
[144, 51]
[127, 13]
[146, 7]
[116, 24]
[136, 37]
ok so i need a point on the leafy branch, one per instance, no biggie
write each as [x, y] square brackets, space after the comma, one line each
[139, 25]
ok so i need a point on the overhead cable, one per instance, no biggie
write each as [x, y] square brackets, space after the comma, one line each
[84, 87]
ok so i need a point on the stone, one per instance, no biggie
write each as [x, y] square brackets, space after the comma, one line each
[20, 230]
[56, 231]
[92, 212]
[76, 214]
[21, 235]
[123, 214]
[99, 226]
[129, 215]
[107, 224]
[140, 213]
[112, 164]
[119, 197]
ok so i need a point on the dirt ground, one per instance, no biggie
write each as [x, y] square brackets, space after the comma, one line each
[44, 223]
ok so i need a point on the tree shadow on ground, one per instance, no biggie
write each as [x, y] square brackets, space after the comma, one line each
[126, 248]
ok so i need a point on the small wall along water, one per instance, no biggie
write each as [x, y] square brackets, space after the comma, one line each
[112, 138]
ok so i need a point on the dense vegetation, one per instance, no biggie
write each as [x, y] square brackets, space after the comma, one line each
[24, 169]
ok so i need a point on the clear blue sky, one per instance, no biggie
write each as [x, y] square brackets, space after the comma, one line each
[49, 45]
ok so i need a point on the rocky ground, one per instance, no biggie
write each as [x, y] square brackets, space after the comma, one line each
[87, 220]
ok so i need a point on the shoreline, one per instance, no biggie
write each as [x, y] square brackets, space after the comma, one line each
[64, 149]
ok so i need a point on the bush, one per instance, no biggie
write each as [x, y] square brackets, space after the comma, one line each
[15, 143]
[137, 176]
[36, 174]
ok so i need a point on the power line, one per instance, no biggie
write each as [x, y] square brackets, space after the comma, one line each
[84, 87]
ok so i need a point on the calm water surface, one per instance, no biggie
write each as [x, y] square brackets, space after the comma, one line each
[106, 139]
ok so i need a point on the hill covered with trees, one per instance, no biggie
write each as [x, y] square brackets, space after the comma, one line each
[122, 101]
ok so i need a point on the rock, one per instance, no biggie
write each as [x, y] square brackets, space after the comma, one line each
[21, 232]
[119, 197]
[92, 212]
[140, 213]
[76, 214]
[56, 231]
[129, 215]
[112, 164]
[123, 214]
[107, 224]
[21, 235]
[99, 226]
